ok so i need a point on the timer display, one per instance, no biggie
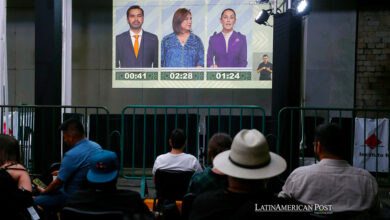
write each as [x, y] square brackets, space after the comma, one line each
[238, 76]
[182, 76]
[136, 75]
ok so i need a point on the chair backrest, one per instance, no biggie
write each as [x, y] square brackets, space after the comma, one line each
[172, 184]
[73, 213]
[186, 207]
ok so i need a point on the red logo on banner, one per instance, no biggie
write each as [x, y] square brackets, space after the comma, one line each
[371, 141]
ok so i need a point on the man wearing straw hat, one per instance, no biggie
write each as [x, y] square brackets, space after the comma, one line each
[248, 165]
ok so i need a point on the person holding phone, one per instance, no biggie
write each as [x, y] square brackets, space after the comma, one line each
[227, 48]
[74, 167]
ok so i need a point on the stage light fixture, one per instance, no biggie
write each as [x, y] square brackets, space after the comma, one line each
[262, 17]
[262, 2]
[301, 7]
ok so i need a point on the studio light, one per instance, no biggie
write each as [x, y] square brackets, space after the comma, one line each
[262, 17]
[301, 7]
[262, 2]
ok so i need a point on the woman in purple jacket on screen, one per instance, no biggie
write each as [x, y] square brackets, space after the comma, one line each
[227, 48]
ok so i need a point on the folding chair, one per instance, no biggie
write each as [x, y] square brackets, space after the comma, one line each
[171, 185]
[73, 213]
[188, 200]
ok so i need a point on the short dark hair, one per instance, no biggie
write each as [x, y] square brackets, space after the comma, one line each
[134, 7]
[178, 138]
[74, 127]
[179, 16]
[218, 143]
[331, 138]
[9, 149]
[265, 55]
[228, 9]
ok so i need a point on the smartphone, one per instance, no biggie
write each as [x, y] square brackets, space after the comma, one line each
[39, 183]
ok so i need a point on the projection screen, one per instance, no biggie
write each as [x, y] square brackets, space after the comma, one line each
[211, 57]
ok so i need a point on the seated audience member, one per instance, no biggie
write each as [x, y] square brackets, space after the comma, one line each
[176, 159]
[248, 165]
[15, 182]
[332, 181]
[102, 194]
[74, 166]
[211, 178]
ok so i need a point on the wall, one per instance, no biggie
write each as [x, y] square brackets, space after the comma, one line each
[21, 51]
[330, 61]
[373, 59]
[330, 54]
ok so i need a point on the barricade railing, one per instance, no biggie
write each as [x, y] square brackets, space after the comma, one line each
[295, 137]
[145, 132]
[25, 121]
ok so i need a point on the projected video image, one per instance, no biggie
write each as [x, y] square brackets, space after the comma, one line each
[190, 44]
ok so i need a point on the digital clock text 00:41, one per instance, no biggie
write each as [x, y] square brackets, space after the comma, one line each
[134, 76]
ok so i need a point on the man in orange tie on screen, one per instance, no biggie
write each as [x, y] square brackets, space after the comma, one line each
[136, 48]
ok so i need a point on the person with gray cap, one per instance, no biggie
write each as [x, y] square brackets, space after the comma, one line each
[248, 165]
[102, 193]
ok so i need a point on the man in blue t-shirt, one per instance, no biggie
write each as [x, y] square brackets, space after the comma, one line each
[74, 167]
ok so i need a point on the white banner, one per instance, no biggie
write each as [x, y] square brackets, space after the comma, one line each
[366, 149]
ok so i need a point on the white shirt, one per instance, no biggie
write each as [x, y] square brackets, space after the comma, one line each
[133, 38]
[183, 162]
[333, 182]
[227, 37]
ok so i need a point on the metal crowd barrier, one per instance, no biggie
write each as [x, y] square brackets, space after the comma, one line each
[145, 132]
[29, 122]
[295, 135]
